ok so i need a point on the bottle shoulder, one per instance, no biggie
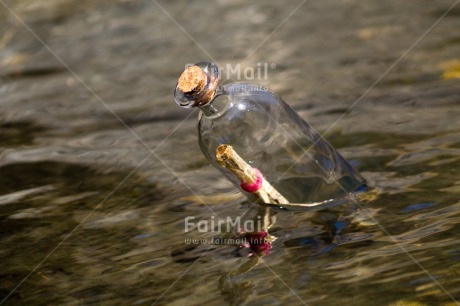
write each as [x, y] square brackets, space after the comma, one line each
[244, 101]
[248, 89]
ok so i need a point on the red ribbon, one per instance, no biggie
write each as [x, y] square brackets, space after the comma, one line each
[254, 186]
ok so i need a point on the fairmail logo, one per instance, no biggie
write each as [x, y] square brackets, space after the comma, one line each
[221, 224]
[236, 72]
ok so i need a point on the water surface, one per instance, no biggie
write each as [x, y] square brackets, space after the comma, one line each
[89, 214]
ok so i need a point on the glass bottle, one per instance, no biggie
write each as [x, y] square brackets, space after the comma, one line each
[268, 134]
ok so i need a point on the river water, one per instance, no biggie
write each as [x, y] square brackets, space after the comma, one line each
[92, 210]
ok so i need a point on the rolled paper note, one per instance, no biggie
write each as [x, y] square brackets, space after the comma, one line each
[252, 179]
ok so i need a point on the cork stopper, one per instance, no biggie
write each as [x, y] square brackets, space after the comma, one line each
[197, 85]
[193, 79]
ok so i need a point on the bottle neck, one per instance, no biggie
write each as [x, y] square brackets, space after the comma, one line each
[209, 110]
[218, 104]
